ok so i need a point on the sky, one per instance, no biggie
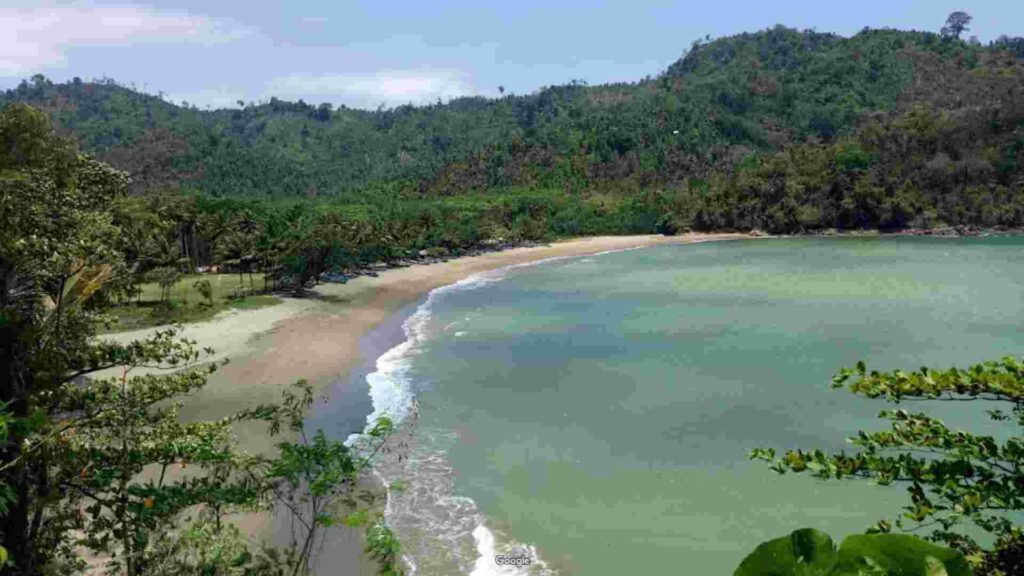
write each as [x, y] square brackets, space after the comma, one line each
[214, 53]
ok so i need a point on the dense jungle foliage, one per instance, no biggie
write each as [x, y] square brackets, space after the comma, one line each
[780, 130]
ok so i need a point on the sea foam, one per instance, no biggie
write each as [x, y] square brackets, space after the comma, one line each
[427, 515]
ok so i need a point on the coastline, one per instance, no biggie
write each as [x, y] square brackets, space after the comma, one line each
[332, 338]
[320, 337]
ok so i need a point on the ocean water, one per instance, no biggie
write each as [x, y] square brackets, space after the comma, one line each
[594, 414]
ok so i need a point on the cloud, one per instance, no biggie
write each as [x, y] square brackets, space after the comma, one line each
[388, 87]
[40, 37]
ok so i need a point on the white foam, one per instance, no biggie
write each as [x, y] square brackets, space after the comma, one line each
[391, 391]
[393, 395]
[486, 564]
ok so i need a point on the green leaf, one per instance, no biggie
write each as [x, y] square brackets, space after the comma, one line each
[805, 552]
[899, 555]
[934, 567]
[808, 552]
[357, 518]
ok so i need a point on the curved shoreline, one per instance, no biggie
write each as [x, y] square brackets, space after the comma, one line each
[321, 337]
[325, 338]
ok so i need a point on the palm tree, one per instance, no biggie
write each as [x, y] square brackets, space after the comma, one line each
[238, 250]
[212, 226]
[246, 223]
[271, 245]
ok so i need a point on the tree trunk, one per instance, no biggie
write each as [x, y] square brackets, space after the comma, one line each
[195, 247]
[17, 528]
[15, 384]
[182, 248]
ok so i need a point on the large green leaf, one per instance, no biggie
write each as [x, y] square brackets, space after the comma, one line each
[898, 555]
[806, 552]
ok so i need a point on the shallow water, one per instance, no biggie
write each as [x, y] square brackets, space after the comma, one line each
[601, 408]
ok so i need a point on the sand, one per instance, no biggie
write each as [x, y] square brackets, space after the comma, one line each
[318, 338]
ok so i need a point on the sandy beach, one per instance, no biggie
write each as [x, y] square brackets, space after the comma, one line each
[319, 338]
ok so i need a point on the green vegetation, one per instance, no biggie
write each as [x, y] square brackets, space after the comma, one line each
[956, 480]
[192, 298]
[808, 552]
[189, 289]
[382, 546]
[919, 169]
[760, 91]
[93, 454]
[777, 130]
[273, 245]
[312, 475]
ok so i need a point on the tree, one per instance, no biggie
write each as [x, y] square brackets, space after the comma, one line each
[270, 246]
[57, 245]
[166, 277]
[239, 250]
[67, 442]
[310, 245]
[310, 475]
[205, 290]
[953, 477]
[115, 429]
[95, 461]
[323, 112]
[957, 23]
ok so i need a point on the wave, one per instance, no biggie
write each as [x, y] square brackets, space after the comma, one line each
[390, 389]
[440, 532]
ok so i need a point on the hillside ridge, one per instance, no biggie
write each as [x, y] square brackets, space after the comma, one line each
[723, 99]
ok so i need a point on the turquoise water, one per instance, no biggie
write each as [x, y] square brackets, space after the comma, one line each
[600, 409]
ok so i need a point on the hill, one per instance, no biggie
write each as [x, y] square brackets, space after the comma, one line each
[778, 129]
[759, 91]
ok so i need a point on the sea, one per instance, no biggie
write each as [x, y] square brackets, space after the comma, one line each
[593, 415]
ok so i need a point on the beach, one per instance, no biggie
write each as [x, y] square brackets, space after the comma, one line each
[325, 338]
[317, 337]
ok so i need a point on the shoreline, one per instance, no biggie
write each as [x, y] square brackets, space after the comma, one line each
[333, 336]
[320, 337]
[327, 338]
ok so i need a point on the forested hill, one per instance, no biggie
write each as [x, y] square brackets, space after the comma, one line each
[734, 116]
